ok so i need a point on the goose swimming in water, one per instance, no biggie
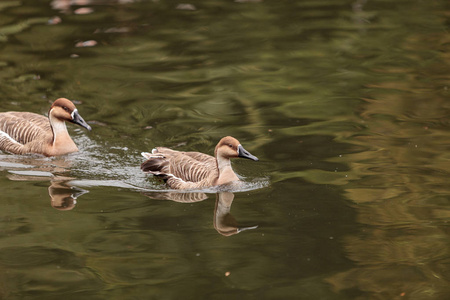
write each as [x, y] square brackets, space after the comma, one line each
[26, 132]
[192, 170]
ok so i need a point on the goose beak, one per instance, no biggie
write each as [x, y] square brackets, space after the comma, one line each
[77, 119]
[245, 154]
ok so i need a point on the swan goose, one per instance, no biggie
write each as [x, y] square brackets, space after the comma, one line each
[193, 170]
[26, 132]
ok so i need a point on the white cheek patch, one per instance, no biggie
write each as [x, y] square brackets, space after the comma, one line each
[73, 113]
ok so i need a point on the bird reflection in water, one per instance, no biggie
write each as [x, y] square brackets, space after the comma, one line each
[223, 221]
[63, 196]
[35, 168]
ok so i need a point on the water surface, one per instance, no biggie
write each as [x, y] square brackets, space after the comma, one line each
[345, 103]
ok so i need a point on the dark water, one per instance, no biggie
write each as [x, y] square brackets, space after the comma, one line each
[346, 103]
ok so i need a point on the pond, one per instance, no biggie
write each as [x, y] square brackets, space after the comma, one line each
[345, 103]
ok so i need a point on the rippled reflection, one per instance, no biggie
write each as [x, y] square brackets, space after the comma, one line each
[400, 184]
[32, 168]
[81, 7]
[63, 196]
[223, 220]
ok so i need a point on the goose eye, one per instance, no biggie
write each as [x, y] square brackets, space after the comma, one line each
[229, 145]
[65, 108]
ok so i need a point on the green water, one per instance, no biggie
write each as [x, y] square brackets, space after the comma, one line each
[345, 103]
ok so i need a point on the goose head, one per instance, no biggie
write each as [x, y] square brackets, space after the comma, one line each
[64, 110]
[229, 147]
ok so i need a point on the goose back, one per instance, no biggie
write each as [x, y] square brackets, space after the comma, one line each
[18, 129]
[182, 170]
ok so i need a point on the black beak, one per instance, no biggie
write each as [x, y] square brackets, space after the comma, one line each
[77, 119]
[245, 154]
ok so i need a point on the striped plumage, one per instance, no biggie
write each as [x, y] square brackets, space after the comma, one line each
[191, 197]
[192, 170]
[25, 132]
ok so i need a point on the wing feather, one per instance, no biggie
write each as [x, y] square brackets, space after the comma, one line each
[182, 170]
[24, 127]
